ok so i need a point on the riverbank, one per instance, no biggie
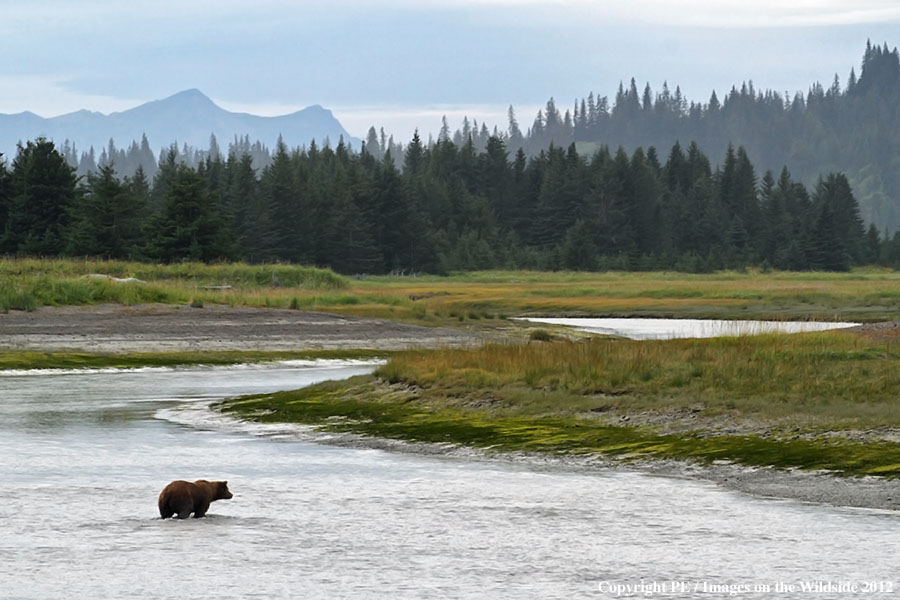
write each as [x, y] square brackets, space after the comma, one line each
[483, 300]
[760, 414]
[805, 416]
[162, 328]
[343, 423]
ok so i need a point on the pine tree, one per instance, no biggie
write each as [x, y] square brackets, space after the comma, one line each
[189, 227]
[283, 203]
[349, 238]
[834, 191]
[606, 206]
[5, 198]
[372, 145]
[826, 250]
[257, 237]
[872, 254]
[414, 155]
[106, 218]
[43, 189]
[494, 178]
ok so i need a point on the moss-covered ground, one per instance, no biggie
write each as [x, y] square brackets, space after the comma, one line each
[368, 406]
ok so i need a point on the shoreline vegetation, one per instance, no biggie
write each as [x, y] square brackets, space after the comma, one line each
[26, 360]
[814, 402]
[784, 401]
[483, 300]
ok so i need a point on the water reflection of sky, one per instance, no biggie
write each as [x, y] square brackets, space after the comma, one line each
[666, 329]
[79, 519]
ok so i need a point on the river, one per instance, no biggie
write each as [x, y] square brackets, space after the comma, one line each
[666, 329]
[83, 456]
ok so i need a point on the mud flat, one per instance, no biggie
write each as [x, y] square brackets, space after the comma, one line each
[113, 328]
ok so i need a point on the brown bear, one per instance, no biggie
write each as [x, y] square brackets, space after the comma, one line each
[182, 498]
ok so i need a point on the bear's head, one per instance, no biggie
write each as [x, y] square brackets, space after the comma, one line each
[222, 491]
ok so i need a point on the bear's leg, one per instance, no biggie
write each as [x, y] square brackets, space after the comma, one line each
[165, 512]
[183, 509]
[200, 509]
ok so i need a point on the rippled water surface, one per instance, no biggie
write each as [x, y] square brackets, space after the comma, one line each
[665, 329]
[84, 456]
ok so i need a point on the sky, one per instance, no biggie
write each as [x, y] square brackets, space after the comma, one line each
[402, 64]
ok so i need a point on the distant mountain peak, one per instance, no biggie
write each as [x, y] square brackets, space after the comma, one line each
[188, 116]
[192, 95]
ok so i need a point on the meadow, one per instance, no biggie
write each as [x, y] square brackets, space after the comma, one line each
[478, 299]
[811, 401]
[820, 400]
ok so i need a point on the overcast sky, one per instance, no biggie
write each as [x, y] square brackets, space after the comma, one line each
[403, 63]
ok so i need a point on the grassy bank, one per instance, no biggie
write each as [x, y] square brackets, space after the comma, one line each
[812, 401]
[26, 284]
[863, 295]
[823, 379]
[826, 400]
[84, 360]
[483, 300]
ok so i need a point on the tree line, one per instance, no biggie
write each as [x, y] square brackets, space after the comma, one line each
[847, 128]
[442, 208]
[850, 128]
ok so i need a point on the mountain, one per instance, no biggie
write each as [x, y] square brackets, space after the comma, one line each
[186, 117]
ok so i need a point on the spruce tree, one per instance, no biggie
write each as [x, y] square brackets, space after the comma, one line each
[5, 195]
[284, 205]
[43, 190]
[826, 247]
[189, 227]
[834, 191]
[106, 218]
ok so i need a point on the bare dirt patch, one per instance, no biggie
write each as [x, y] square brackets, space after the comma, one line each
[113, 328]
[881, 331]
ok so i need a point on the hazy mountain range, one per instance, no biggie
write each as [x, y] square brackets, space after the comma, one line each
[186, 117]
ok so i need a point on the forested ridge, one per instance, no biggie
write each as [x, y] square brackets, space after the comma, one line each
[849, 128]
[443, 208]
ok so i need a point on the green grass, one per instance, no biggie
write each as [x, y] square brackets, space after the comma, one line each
[549, 394]
[235, 274]
[365, 406]
[26, 284]
[787, 401]
[480, 300]
[83, 360]
[828, 378]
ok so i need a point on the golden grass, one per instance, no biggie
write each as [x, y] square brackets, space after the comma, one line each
[833, 379]
[868, 295]
[470, 298]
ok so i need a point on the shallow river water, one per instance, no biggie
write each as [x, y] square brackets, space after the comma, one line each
[83, 457]
[666, 329]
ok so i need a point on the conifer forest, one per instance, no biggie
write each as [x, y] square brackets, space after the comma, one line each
[646, 182]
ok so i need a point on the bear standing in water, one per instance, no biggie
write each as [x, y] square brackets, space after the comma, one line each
[182, 498]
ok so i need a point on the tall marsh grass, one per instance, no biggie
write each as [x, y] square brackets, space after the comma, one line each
[862, 295]
[26, 284]
[234, 274]
[819, 377]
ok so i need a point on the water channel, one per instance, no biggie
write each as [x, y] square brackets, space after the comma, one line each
[83, 456]
[665, 329]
